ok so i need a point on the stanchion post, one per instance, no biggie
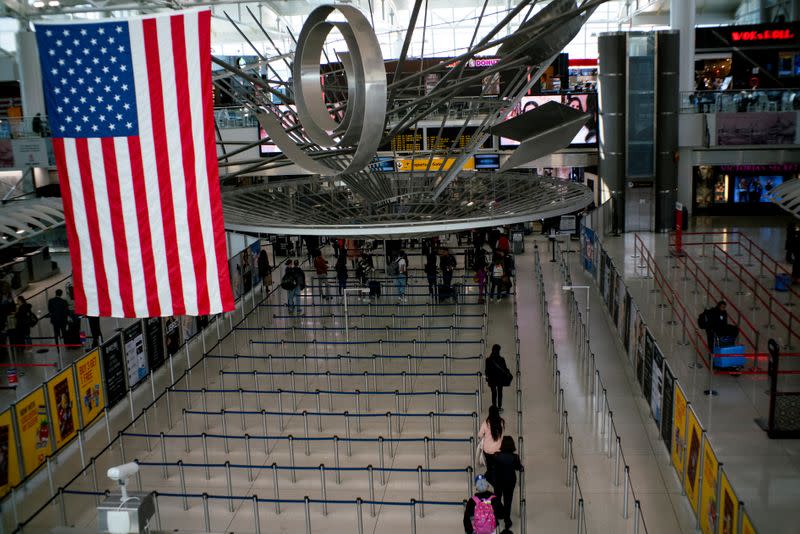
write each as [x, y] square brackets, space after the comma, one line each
[275, 489]
[421, 494]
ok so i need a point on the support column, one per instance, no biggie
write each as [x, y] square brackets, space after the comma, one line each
[30, 74]
[682, 18]
[612, 91]
[667, 108]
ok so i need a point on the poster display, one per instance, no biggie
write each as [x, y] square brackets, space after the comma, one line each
[747, 524]
[603, 276]
[624, 310]
[756, 128]
[679, 430]
[588, 250]
[695, 437]
[172, 334]
[90, 389]
[647, 366]
[656, 384]
[9, 462]
[729, 505]
[667, 406]
[63, 409]
[114, 368]
[135, 357]
[34, 430]
[709, 507]
[154, 335]
[633, 332]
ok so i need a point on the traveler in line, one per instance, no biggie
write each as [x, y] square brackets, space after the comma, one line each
[480, 279]
[399, 270]
[293, 281]
[321, 269]
[496, 372]
[491, 435]
[482, 510]
[264, 271]
[504, 480]
[448, 265]
[341, 273]
[497, 274]
[58, 308]
[94, 330]
[24, 320]
[430, 273]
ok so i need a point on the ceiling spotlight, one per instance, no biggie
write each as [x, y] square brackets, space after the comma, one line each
[53, 3]
[38, 4]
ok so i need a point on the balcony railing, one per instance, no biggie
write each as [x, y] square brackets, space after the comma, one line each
[740, 101]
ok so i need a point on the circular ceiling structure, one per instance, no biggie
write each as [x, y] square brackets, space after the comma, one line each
[330, 208]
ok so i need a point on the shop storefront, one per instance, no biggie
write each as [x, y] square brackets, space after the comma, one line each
[739, 189]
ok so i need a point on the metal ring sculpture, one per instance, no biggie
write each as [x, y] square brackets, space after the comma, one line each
[366, 93]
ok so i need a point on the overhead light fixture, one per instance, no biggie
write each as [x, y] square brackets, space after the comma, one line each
[38, 4]
[21, 231]
[53, 3]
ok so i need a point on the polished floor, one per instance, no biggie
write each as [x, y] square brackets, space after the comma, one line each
[189, 412]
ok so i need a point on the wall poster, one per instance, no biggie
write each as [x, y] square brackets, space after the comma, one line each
[172, 334]
[627, 327]
[747, 525]
[63, 409]
[668, 406]
[90, 387]
[154, 335]
[135, 357]
[9, 462]
[34, 430]
[695, 437]
[656, 384]
[709, 507]
[647, 366]
[679, 430]
[114, 369]
[729, 505]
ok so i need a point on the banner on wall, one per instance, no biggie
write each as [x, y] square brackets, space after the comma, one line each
[756, 128]
[633, 342]
[695, 437]
[729, 504]
[9, 462]
[679, 431]
[172, 334]
[135, 357]
[647, 366]
[626, 330]
[747, 524]
[34, 430]
[709, 507]
[90, 387]
[641, 332]
[63, 410]
[656, 384]
[114, 369]
[588, 251]
[603, 278]
[154, 335]
[668, 406]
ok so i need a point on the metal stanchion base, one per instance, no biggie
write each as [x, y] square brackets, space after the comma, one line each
[695, 365]
[710, 393]
[672, 321]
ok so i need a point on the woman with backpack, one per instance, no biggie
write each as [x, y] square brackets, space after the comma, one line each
[497, 375]
[490, 436]
[482, 510]
[504, 477]
[497, 273]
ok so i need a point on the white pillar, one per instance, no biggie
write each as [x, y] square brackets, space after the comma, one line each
[30, 74]
[681, 18]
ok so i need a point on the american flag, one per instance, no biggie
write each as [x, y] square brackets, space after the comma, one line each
[130, 108]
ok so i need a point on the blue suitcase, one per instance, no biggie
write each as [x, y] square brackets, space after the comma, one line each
[729, 357]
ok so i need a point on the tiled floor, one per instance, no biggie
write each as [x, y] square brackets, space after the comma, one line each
[548, 498]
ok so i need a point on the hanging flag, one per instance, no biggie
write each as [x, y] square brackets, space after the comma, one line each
[130, 108]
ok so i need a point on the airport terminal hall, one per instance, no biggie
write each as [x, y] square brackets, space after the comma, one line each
[400, 266]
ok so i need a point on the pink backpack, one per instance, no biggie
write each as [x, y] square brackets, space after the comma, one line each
[483, 521]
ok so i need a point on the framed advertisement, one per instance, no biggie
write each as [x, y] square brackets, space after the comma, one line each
[90, 387]
[154, 335]
[656, 384]
[135, 357]
[9, 459]
[63, 408]
[647, 366]
[33, 423]
[667, 406]
[172, 335]
[694, 439]
[678, 451]
[709, 506]
[114, 371]
[729, 505]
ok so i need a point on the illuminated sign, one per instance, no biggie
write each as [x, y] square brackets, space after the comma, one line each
[765, 35]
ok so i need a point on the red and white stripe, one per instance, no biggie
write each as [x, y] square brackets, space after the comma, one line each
[144, 213]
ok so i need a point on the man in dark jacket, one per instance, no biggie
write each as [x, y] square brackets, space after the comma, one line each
[504, 476]
[58, 308]
[482, 492]
[495, 371]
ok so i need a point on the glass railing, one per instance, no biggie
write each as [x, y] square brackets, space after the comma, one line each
[740, 101]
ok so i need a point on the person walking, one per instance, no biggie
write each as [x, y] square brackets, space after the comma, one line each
[490, 436]
[321, 269]
[482, 510]
[480, 279]
[293, 281]
[496, 280]
[430, 273]
[399, 269]
[58, 309]
[448, 266]
[94, 330]
[264, 271]
[497, 375]
[24, 320]
[506, 465]
[341, 273]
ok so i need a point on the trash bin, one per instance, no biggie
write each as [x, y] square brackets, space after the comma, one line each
[782, 282]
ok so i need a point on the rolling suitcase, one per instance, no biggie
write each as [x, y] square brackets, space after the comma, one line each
[730, 357]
